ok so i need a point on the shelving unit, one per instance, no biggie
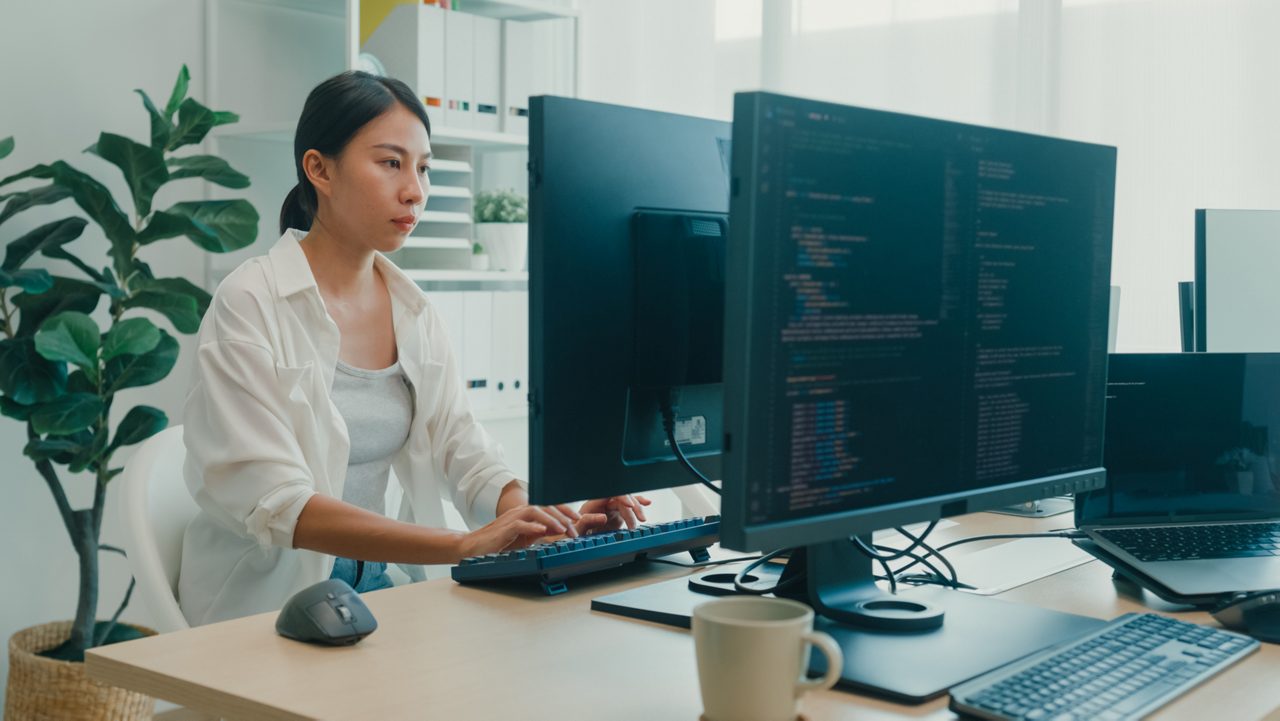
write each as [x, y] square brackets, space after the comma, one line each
[262, 57]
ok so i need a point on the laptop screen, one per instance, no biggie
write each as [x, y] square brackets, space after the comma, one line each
[1189, 436]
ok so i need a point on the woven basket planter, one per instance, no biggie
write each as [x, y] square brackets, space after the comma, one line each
[43, 689]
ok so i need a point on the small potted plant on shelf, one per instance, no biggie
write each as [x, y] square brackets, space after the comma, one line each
[479, 258]
[60, 371]
[502, 227]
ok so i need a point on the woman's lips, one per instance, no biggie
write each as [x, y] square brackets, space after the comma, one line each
[405, 223]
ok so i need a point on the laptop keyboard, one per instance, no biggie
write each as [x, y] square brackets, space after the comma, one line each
[1189, 543]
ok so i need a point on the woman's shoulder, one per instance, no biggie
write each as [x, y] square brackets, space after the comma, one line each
[242, 302]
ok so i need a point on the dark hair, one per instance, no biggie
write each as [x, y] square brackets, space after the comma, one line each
[334, 112]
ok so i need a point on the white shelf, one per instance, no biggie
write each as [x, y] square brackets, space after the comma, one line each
[432, 279]
[449, 166]
[440, 216]
[450, 191]
[478, 139]
[525, 10]
[437, 243]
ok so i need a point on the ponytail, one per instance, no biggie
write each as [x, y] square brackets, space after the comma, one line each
[297, 212]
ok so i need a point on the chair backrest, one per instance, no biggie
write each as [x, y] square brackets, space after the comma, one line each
[155, 508]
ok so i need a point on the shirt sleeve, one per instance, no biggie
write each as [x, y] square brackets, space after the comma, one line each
[244, 465]
[471, 462]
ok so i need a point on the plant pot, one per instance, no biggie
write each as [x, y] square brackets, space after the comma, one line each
[506, 243]
[43, 689]
[480, 261]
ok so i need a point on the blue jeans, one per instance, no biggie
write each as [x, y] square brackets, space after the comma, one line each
[373, 576]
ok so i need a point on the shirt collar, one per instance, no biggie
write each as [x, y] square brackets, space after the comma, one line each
[293, 272]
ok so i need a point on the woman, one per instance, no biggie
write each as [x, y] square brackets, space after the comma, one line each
[320, 367]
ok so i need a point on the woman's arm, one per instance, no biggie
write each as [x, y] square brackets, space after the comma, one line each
[331, 526]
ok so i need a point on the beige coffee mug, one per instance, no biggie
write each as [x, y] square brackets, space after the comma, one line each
[752, 654]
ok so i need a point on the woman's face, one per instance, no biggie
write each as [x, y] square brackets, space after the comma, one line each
[376, 189]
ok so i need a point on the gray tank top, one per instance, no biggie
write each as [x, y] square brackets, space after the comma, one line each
[378, 408]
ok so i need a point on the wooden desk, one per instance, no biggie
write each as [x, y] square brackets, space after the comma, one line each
[443, 651]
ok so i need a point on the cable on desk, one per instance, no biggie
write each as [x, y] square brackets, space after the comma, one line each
[739, 579]
[704, 564]
[1064, 533]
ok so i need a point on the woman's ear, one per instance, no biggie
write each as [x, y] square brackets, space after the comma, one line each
[317, 167]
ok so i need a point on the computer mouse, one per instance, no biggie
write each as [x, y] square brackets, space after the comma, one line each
[1257, 614]
[329, 613]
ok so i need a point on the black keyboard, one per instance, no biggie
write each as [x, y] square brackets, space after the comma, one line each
[1188, 543]
[1124, 670]
[550, 564]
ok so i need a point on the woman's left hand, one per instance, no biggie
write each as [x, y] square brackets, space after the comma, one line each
[617, 511]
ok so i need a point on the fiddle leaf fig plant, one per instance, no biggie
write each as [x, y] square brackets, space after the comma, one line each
[60, 368]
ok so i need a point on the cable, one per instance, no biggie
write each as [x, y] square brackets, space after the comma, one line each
[739, 579]
[931, 551]
[669, 425]
[1065, 533]
[875, 556]
[704, 564]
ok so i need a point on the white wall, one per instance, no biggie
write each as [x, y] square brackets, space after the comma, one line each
[70, 68]
[1189, 91]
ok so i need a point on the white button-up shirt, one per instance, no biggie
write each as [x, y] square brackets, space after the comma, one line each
[263, 436]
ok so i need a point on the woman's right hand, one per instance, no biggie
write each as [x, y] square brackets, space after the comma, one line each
[519, 527]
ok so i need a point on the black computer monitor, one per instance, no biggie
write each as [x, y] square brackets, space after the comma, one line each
[916, 327]
[627, 225]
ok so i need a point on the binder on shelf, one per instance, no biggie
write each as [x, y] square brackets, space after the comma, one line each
[487, 65]
[476, 357]
[459, 73]
[510, 349]
[517, 76]
[411, 45]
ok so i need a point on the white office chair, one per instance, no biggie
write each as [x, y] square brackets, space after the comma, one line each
[155, 508]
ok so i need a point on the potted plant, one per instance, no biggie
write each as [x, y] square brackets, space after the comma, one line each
[60, 371]
[502, 227]
[479, 258]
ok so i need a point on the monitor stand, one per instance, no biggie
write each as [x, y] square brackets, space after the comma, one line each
[1041, 508]
[899, 650]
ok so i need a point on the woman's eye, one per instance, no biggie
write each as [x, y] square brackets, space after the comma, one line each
[393, 163]
[423, 170]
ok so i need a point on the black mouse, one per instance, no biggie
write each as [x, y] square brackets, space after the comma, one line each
[329, 613]
[1257, 614]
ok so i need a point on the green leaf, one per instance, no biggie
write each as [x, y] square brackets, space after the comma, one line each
[90, 452]
[179, 92]
[66, 294]
[50, 235]
[211, 168]
[25, 376]
[94, 199]
[70, 337]
[194, 122]
[55, 449]
[31, 280]
[179, 309]
[143, 167]
[134, 336]
[131, 371]
[179, 286]
[139, 424]
[66, 415]
[47, 195]
[6, 146]
[160, 126]
[78, 382]
[14, 409]
[218, 226]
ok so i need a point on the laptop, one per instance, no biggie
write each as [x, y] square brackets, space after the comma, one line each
[1192, 453]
